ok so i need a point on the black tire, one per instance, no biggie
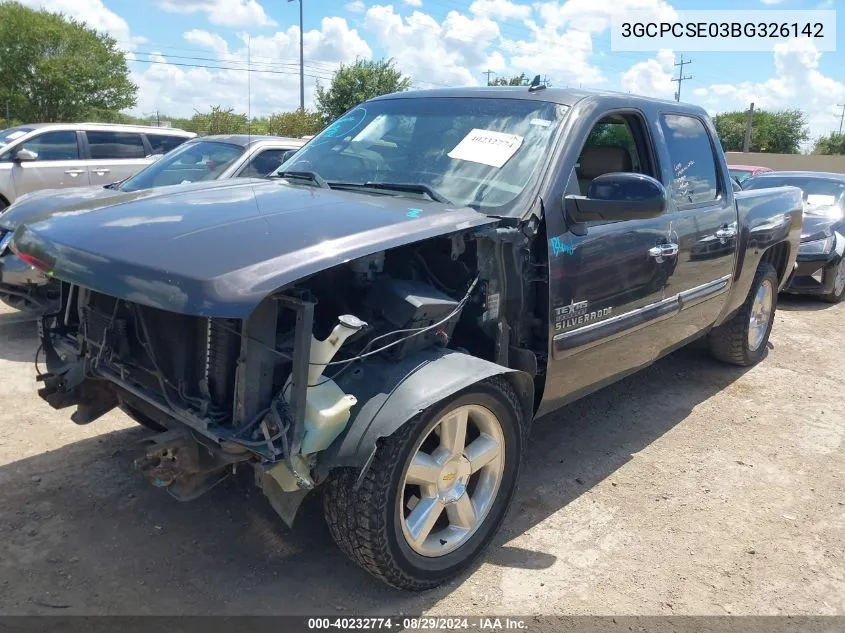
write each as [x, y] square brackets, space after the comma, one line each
[142, 419]
[365, 522]
[729, 341]
[832, 296]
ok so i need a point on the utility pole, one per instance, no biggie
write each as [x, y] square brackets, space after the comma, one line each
[681, 78]
[489, 72]
[301, 60]
[8, 119]
[838, 105]
[749, 120]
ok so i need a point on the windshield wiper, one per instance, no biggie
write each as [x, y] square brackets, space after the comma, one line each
[313, 176]
[394, 186]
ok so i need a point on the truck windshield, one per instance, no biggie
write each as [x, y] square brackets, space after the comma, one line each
[190, 162]
[473, 152]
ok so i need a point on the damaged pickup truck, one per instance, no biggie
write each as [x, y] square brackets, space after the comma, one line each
[386, 316]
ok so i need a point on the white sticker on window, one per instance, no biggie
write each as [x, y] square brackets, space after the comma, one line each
[15, 135]
[540, 122]
[487, 147]
[820, 199]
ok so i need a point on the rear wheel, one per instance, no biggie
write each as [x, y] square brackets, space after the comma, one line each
[436, 491]
[838, 273]
[743, 339]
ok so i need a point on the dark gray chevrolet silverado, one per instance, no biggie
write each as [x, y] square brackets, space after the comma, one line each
[385, 318]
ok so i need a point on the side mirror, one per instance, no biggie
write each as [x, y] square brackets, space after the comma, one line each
[735, 184]
[618, 196]
[287, 154]
[25, 155]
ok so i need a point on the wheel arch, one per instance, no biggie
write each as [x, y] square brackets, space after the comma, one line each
[391, 394]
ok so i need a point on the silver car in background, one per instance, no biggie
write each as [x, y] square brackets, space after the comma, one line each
[201, 159]
[58, 155]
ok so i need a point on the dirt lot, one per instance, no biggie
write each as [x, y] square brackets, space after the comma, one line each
[692, 488]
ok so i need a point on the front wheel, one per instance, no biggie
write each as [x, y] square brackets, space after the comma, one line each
[743, 339]
[837, 292]
[436, 491]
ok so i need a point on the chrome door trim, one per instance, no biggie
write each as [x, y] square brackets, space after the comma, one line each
[693, 296]
[583, 338]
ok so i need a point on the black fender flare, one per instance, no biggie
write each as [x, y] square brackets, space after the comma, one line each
[392, 393]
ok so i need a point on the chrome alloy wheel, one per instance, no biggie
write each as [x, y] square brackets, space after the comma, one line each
[761, 312]
[452, 480]
[839, 282]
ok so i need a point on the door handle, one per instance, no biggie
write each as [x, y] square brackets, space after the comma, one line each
[74, 172]
[726, 232]
[662, 251]
[101, 170]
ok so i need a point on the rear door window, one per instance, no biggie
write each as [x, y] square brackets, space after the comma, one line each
[694, 175]
[107, 145]
[162, 143]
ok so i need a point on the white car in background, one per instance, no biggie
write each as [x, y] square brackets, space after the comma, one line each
[59, 155]
[200, 159]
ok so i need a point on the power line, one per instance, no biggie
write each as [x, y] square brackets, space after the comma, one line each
[488, 72]
[252, 65]
[842, 117]
[681, 78]
[271, 72]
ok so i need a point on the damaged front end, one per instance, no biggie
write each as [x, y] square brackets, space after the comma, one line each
[262, 391]
[227, 391]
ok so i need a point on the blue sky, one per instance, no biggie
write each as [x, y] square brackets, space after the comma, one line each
[442, 42]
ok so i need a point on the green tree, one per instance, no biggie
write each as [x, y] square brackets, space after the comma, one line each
[295, 124]
[53, 68]
[833, 144]
[516, 80]
[354, 84]
[780, 132]
[217, 121]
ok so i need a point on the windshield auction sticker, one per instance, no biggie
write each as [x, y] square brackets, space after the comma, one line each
[487, 147]
[720, 30]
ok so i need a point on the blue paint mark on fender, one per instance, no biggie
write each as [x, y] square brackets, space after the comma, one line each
[558, 247]
[414, 213]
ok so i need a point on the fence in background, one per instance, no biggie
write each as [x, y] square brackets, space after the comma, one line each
[783, 162]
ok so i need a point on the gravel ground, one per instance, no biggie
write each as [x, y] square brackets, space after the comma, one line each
[691, 488]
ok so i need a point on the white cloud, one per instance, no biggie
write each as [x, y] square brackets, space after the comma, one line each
[207, 40]
[179, 90]
[771, 1]
[797, 83]
[433, 53]
[593, 16]
[413, 3]
[94, 14]
[356, 6]
[500, 9]
[652, 77]
[233, 13]
[564, 55]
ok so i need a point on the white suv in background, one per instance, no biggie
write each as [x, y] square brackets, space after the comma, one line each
[54, 155]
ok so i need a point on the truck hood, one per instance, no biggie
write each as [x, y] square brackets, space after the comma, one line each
[43, 203]
[218, 249]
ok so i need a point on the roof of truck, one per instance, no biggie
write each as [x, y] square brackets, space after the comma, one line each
[563, 96]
